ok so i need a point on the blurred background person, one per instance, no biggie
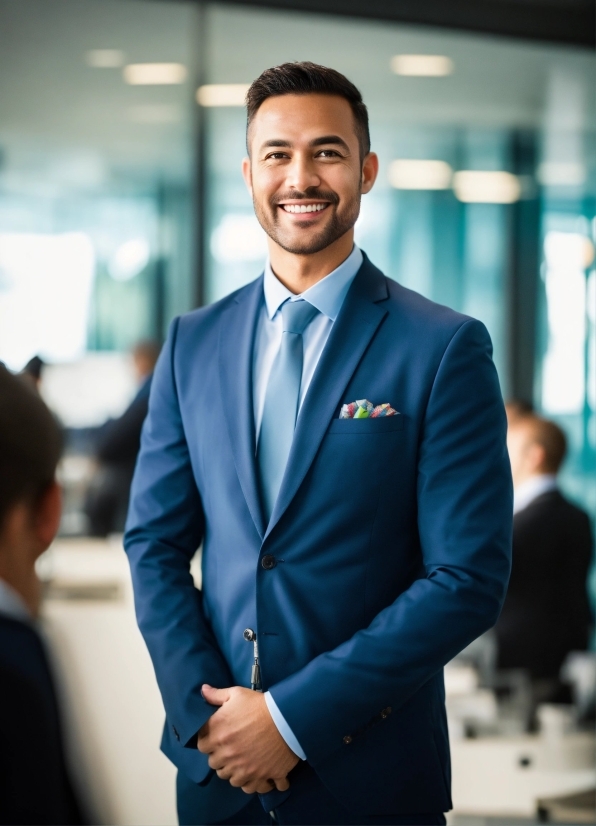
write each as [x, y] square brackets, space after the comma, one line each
[546, 613]
[516, 409]
[117, 446]
[35, 787]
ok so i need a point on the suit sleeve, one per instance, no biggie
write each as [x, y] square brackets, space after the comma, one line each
[164, 530]
[464, 517]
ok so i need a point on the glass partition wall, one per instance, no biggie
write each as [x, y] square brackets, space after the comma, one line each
[121, 201]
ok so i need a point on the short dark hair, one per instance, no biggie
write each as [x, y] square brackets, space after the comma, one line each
[551, 439]
[30, 444]
[306, 78]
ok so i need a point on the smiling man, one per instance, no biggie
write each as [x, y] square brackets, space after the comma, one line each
[337, 443]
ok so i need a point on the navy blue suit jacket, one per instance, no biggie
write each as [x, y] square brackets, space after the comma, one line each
[391, 538]
[35, 786]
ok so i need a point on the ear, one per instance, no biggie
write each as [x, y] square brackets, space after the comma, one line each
[247, 174]
[46, 519]
[536, 457]
[370, 170]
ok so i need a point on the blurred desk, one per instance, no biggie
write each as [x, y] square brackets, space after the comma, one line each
[111, 701]
[505, 776]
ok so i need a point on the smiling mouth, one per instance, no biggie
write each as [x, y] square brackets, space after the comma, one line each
[299, 208]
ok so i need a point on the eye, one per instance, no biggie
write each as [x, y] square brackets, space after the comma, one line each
[329, 153]
[276, 156]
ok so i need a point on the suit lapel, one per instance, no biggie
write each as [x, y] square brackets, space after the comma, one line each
[236, 339]
[354, 328]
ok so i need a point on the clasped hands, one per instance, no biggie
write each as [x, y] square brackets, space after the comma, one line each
[243, 743]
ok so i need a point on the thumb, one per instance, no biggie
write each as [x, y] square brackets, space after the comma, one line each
[215, 696]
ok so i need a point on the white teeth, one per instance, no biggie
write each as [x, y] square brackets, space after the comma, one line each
[303, 208]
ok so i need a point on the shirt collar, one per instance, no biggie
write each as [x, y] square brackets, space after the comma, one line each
[12, 604]
[531, 489]
[327, 295]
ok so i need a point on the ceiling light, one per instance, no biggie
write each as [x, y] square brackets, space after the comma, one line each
[222, 94]
[561, 174]
[410, 174]
[486, 187]
[105, 58]
[422, 65]
[154, 74]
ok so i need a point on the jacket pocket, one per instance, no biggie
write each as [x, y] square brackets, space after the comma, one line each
[355, 427]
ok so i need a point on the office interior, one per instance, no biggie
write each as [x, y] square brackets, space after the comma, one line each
[122, 131]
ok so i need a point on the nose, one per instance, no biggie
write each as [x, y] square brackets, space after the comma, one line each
[302, 173]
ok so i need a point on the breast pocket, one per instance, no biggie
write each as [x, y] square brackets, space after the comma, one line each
[357, 427]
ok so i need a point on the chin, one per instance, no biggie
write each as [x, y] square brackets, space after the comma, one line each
[309, 243]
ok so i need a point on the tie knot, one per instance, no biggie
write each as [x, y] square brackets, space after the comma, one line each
[297, 315]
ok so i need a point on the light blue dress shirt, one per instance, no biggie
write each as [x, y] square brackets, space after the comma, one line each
[12, 604]
[327, 295]
[524, 494]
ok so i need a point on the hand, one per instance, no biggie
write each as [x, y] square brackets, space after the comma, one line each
[243, 743]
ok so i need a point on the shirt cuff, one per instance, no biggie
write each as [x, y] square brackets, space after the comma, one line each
[283, 728]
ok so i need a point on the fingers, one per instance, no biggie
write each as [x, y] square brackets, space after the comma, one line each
[215, 696]
[282, 784]
[260, 787]
[204, 742]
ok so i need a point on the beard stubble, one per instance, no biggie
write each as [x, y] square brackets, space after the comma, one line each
[312, 243]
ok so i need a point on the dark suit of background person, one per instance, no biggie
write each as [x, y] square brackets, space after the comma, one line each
[546, 614]
[117, 447]
[390, 541]
[35, 787]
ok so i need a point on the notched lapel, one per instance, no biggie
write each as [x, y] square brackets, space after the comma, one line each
[352, 332]
[236, 338]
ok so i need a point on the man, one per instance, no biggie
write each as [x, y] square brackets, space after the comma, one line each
[364, 544]
[118, 443]
[546, 613]
[516, 409]
[34, 783]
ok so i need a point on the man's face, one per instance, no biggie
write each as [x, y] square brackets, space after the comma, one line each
[305, 173]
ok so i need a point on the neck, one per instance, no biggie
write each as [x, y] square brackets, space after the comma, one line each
[299, 272]
[18, 572]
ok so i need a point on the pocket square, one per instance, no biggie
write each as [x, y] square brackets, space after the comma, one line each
[363, 409]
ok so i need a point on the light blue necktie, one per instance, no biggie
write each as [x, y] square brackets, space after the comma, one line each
[281, 401]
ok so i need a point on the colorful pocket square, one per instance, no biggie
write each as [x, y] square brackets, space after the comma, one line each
[363, 409]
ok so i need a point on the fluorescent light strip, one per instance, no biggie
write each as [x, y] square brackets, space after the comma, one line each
[417, 174]
[474, 187]
[422, 65]
[222, 94]
[155, 74]
[105, 58]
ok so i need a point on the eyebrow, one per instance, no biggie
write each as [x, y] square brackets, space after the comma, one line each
[325, 140]
[333, 139]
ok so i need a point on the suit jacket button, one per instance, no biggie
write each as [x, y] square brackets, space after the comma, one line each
[176, 735]
[347, 739]
[268, 562]
[386, 712]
